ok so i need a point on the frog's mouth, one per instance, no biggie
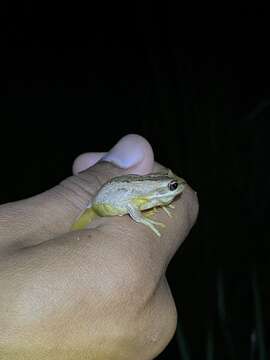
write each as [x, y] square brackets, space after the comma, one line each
[168, 199]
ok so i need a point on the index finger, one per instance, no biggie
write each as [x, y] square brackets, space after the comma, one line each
[50, 214]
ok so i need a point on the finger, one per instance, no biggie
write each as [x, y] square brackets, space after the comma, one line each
[126, 232]
[122, 156]
[163, 248]
[178, 226]
[138, 244]
[51, 213]
[84, 161]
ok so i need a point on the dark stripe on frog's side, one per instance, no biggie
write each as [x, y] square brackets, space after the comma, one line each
[133, 177]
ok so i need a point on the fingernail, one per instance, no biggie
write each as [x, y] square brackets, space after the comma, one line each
[127, 152]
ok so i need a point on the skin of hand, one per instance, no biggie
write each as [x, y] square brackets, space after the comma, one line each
[98, 293]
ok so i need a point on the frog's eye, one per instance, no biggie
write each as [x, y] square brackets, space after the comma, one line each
[173, 185]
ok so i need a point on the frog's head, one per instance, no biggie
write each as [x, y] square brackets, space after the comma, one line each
[165, 188]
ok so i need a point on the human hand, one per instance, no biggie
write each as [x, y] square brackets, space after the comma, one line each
[98, 293]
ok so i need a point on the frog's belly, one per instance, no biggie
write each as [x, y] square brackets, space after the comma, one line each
[106, 209]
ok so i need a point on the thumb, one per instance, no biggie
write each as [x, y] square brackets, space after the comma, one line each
[50, 214]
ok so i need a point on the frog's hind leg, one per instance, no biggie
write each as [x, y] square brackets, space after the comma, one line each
[137, 216]
[84, 219]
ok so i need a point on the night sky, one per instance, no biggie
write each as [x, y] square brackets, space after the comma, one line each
[198, 88]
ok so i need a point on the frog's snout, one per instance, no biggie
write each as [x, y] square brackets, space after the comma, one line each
[182, 186]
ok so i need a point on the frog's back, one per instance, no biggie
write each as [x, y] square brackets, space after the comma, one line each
[111, 200]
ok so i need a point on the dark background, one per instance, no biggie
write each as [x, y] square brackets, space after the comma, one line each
[196, 85]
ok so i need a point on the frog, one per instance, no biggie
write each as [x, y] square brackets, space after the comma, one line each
[139, 196]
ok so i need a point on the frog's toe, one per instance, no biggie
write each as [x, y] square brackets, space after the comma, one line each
[158, 223]
[167, 211]
[150, 213]
[152, 227]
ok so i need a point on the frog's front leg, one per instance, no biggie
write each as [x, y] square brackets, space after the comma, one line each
[137, 216]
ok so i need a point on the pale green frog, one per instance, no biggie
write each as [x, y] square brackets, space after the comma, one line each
[133, 194]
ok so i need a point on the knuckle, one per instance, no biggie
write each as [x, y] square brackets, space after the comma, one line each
[80, 188]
